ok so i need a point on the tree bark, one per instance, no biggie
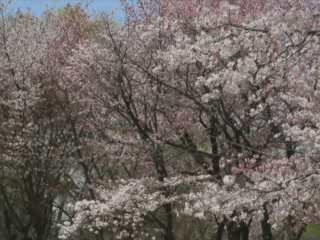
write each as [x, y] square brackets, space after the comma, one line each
[169, 230]
[238, 231]
[265, 225]
[234, 232]
[220, 230]
[162, 174]
[244, 228]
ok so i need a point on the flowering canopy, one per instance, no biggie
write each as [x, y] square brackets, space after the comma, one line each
[247, 80]
[204, 110]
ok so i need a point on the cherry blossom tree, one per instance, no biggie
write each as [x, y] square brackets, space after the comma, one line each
[200, 111]
[38, 150]
[233, 91]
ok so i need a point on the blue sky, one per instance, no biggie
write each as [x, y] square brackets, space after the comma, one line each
[38, 6]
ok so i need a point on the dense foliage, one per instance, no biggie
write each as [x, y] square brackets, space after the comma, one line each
[194, 119]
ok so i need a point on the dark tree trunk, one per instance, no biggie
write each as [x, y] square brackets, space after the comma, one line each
[169, 230]
[300, 233]
[238, 231]
[213, 135]
[244, 228]
[292, 233]
[162, 173]
[234, 232]
[220, 230]
[265, 225]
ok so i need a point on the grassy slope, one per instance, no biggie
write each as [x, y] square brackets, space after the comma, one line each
[312, 232]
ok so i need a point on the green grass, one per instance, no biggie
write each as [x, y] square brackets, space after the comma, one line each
[312, 232]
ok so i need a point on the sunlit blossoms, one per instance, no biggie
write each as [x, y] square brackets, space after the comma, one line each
[247, 81]
[189, 120]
